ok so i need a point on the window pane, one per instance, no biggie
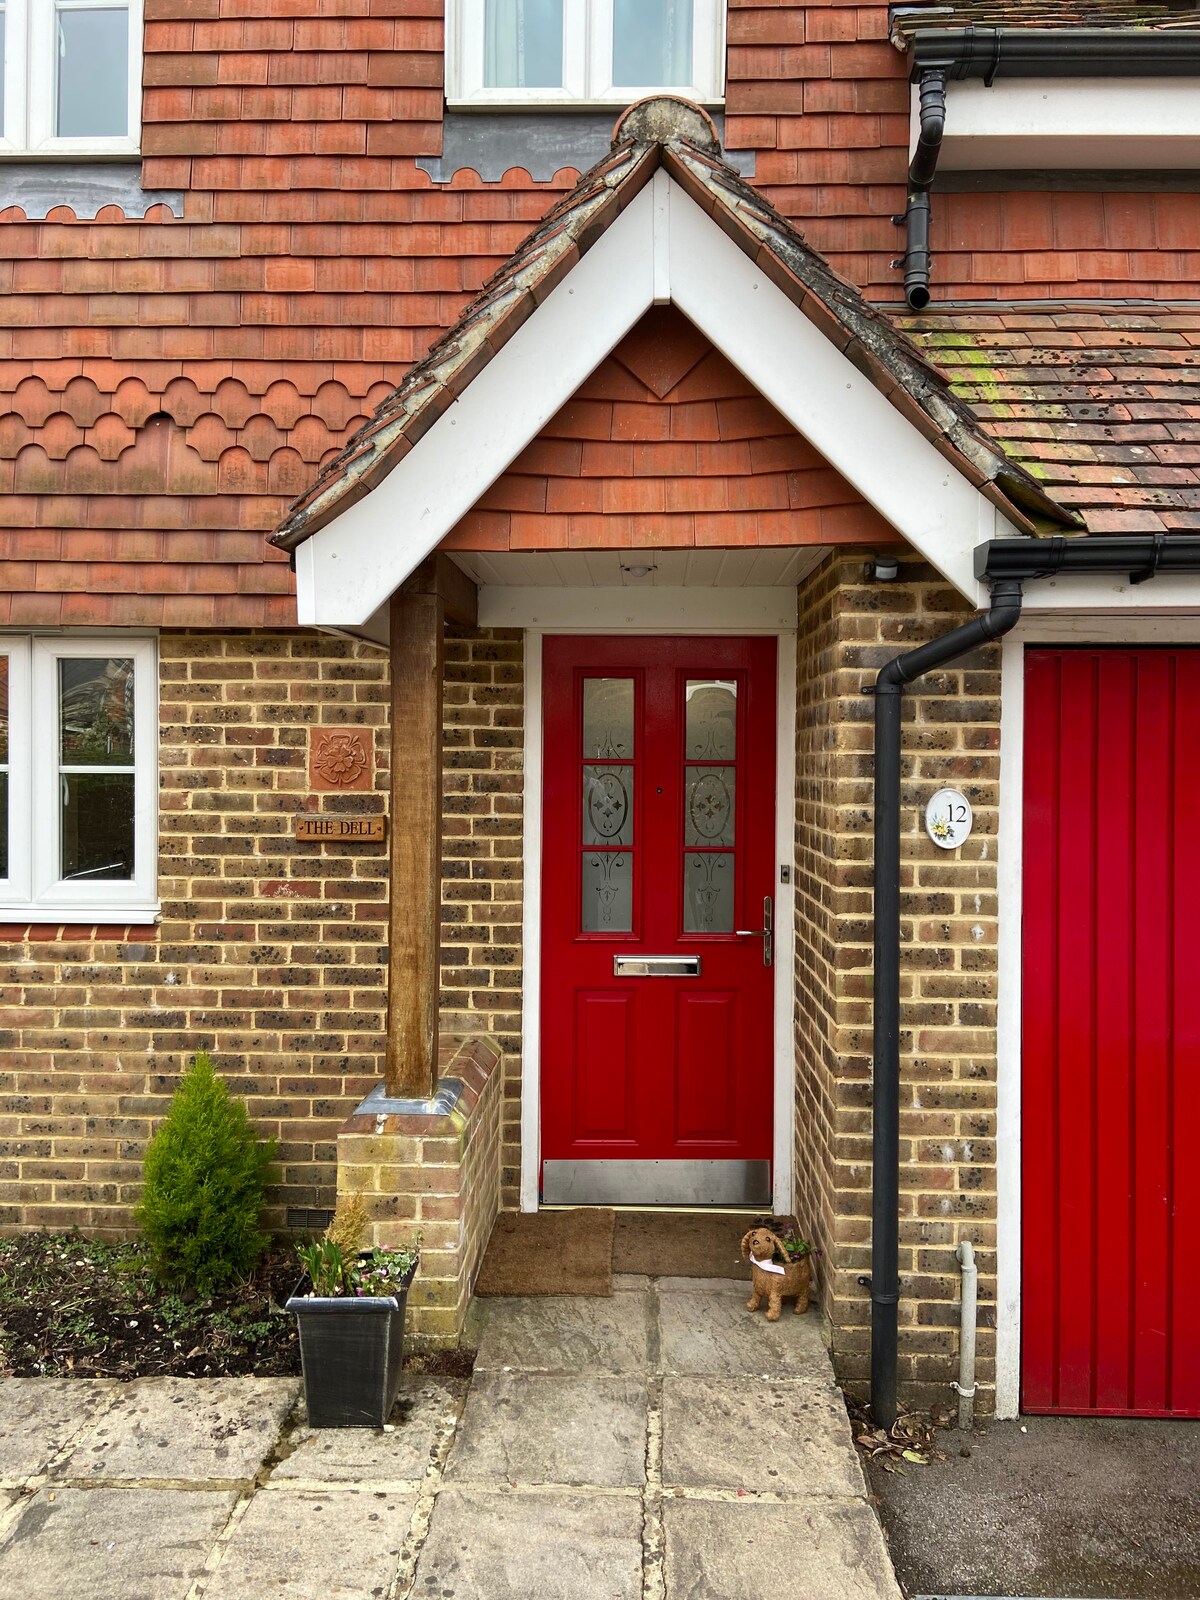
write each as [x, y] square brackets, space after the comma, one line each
[710, 794]
[652, 43]
[96, 701]
[93, 73]
[608, 805]
[97, 825]
[523, 44]
[608, 718]
[708, 892]
[607, 891]
[3, 711]
[2, 72]
[711, 720]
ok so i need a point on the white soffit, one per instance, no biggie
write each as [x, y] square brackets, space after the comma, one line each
[1069, 123]
[662, 248]
[784, 566]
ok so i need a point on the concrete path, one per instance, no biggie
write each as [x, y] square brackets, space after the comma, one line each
[659, 1445]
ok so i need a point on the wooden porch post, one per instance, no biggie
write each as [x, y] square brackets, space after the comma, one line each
[437, 590]
[416, 849]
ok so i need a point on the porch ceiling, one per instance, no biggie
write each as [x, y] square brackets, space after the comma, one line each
[612, 569]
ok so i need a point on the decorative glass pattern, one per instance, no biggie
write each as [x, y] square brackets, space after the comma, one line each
[608, 719]
[711, 720]
[607, 790]
[96, 774]
[708, 880]
[710, 806]
[608, 805]
[607, 891]
[710, 747]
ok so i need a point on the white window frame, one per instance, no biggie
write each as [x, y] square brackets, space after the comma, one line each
[34, 891]
[587, 60]
[30, 80]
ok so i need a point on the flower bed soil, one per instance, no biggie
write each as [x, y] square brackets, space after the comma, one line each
[72, 1307]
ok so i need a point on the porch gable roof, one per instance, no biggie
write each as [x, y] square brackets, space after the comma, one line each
[665, 150]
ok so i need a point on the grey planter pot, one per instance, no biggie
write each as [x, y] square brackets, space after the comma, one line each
[351, 1352]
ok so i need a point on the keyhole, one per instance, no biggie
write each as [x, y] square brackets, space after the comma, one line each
[658, 791]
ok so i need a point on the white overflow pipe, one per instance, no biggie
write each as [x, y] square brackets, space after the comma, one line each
[966, 1338]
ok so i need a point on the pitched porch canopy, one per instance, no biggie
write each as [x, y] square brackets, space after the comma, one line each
[661, 221]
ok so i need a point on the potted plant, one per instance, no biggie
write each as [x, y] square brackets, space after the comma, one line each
[350, 1312]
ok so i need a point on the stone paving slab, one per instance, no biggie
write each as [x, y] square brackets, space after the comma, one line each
[397, 1454]
[40, 1416]
[297, 1544]
[194, 1430]
[744, 1433]
[523, 1429]
[759, 1550]
[111, 1544]
[713, 1333]
[576, 1333]
[514, 1545]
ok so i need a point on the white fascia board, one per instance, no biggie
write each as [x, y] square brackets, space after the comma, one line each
[1171, 594]
[349, 568]
[825, 397]
[1069, 123]
[652, 609]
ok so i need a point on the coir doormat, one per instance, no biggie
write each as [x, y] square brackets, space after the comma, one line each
[549, 1252]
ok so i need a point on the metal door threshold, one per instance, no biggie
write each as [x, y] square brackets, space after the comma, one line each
[656, 1183]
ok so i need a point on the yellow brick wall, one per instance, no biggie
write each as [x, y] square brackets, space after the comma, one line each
[271, 952]
[848, 628]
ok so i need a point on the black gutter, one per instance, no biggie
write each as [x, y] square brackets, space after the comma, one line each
[917, 261]
[1139, 555]
[1006, 564]
[939, 54]
[990, 53]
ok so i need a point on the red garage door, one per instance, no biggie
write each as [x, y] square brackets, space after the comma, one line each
[1111, 1067]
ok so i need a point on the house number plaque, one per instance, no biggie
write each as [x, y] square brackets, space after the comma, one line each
[948, 819]
[340, 830]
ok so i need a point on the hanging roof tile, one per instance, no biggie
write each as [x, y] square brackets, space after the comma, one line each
[670, 134]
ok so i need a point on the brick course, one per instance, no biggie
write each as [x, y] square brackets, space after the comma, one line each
[848, 628]
[270, 952]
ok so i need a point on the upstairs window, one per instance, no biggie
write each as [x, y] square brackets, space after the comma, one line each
[571, 52]
[72, 80]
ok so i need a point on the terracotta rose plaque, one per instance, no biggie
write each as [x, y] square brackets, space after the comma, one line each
[341, 760]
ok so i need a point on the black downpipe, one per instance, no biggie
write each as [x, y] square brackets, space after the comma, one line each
[889, 687]
[917, 261]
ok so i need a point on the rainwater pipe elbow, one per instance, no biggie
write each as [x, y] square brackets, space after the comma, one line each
[966, 1339]
[917, 260]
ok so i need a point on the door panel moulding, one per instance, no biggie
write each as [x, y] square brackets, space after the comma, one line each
[783, 1134]
[1063, 629]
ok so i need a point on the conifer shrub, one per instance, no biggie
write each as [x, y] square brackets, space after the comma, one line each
[205, 1181]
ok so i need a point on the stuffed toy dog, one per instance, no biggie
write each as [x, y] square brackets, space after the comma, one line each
[772, 1280]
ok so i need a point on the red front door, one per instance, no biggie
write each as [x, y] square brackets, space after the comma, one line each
[659, 827]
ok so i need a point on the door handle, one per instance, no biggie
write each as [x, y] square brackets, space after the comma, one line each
[766, 933]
